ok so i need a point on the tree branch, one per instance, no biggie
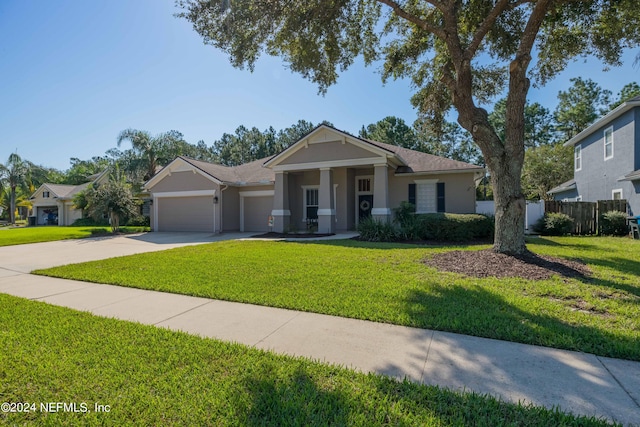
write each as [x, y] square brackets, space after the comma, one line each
[486, 25]
[398, 10]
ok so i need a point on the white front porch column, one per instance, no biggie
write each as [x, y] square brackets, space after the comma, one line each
[381, 210]
[281, 213]
[326, 209]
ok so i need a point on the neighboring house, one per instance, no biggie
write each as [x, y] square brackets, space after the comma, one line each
[53, 203]
[607, 159]
[328, 180]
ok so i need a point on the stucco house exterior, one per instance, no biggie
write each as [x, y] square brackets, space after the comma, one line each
[607, 159]
[329, 180]
[53, 203]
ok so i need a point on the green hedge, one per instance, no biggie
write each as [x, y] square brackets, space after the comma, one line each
[454, 227]
[445, 227]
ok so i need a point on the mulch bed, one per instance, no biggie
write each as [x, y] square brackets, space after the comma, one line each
[274, 235]
[486, 263]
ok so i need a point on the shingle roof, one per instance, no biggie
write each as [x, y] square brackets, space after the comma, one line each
[63, 191]
[252, 172]
[418, 161]
[565, 186]
[632, 176]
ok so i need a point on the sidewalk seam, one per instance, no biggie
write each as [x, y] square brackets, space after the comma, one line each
[276, 329]
[92, 285]
[180, 314]
[617, 381]
[426, 359]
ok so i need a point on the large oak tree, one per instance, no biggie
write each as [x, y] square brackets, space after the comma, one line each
[458, 53]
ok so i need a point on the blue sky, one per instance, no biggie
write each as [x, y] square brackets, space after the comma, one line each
[74, 73]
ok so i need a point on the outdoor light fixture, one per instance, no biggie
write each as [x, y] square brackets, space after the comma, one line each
[215, 200]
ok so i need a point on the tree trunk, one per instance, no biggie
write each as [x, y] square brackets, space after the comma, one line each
[115, 222]
[12, 206]
[510, 206]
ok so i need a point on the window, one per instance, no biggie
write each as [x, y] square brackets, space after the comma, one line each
[616, 194]
[364, 185]
[577, 157]
[45, 194]
[310, 202]
[608, 143]
[427, 195]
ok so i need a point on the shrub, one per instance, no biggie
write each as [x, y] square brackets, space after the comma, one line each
[87, 222]
[408, 222]
[138, 221]
[557, 224]
[614, 223]
[374, 230]
[455, 227]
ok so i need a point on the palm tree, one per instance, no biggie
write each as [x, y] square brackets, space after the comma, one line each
[13, 176]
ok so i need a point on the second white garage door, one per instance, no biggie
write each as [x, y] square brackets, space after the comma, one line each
[185, 213]
[256, 213]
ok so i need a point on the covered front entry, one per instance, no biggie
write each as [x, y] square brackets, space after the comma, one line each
[194, 213]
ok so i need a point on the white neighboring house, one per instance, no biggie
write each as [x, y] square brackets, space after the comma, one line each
[53, 203]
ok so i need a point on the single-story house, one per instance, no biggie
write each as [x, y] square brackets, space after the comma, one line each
[329, 180]
[53, 203]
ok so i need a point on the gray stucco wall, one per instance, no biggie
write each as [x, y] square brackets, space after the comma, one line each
[327, 151]
[183, 181]
[460, 190]
[598, 177]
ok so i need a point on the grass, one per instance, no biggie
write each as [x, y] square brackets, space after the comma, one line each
[22, 235]
[153, 376]
[389, 283]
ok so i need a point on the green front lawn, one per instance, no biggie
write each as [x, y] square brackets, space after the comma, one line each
[21, 235]
[143, 375]
[389, 283]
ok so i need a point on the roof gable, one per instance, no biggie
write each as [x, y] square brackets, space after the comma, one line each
[327, 144]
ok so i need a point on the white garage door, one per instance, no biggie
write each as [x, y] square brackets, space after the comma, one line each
[185, 213]
[256, 213]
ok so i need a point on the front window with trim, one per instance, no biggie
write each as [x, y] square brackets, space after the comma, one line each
[426, 196]
[608, 143]
[310, 203]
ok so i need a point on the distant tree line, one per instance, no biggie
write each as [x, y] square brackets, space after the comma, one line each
[547, 162]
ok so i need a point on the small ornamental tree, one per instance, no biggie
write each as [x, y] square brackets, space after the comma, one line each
[113, 198]
[458, 54]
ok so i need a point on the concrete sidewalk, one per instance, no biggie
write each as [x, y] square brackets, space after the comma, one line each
[576, 382]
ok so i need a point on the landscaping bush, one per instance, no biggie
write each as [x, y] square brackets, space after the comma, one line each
[614, 223]
[557, 224]
[455, 227]
[138, 221]
[374, 230]
[408, 222]
[89, 222]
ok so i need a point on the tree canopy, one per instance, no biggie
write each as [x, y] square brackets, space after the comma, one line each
[457, 53]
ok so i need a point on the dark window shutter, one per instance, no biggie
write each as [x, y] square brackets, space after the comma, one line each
[412, 194]
[440, 195]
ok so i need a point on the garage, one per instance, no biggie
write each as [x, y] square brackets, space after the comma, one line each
[256, 212]
[193, 213]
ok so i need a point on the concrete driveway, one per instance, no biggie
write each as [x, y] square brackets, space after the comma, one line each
[26, 258]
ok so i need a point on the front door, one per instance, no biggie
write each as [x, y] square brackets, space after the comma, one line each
[365, 203]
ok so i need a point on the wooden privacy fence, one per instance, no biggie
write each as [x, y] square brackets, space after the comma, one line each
[586, 215]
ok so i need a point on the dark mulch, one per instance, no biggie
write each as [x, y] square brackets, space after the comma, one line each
[486, 263]
[274, 235]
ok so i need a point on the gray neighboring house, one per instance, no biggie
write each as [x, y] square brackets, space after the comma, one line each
[607, 159]
[328, 179]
